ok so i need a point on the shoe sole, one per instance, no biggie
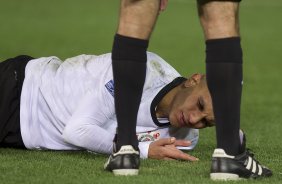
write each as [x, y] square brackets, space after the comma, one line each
[224, 176]
[125, 172]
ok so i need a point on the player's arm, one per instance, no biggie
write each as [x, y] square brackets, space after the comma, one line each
[85, 128]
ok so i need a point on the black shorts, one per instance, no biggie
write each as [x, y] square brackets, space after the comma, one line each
[12, 72]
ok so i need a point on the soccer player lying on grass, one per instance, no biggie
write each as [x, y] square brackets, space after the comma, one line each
[47, 104]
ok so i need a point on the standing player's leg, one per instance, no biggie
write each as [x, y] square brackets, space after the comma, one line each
[220, 22]
[129, 57]
[224, 69]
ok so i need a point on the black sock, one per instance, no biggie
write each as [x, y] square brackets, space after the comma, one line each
[224, 78]
[129, 68]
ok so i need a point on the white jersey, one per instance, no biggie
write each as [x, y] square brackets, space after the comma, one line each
[70, 105]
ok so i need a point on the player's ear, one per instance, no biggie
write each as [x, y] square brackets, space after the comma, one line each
[193, 80]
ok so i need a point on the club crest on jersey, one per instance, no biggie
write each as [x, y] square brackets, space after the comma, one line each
[110, 87]
[148, 136]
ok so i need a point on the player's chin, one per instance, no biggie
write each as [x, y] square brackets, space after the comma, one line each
[176, 123]
[173, 121]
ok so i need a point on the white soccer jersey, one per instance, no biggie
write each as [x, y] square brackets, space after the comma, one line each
[70, 105]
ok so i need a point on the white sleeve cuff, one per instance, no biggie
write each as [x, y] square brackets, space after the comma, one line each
[144, 149]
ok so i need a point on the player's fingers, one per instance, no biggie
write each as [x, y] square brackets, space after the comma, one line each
[165, 141]
[177, 154]
[185, 156]
[182, 143]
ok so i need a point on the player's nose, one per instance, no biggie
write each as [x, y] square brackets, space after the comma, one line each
[195, 117]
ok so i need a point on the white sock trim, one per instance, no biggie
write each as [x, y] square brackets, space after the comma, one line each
[221, 154]
[126, 149]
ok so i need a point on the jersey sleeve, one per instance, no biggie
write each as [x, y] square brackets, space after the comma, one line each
[144, 149]
[90, 127]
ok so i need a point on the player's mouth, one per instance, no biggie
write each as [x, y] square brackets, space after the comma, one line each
[181, 119]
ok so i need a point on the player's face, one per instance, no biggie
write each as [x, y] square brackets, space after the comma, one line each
[192, 107]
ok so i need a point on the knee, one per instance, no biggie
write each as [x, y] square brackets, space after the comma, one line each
[206, 1]
[219, 19]
[138, 17]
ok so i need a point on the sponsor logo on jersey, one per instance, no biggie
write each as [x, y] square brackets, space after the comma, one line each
[110, 87]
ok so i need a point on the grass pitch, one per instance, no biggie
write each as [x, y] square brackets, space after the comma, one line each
[66, 28]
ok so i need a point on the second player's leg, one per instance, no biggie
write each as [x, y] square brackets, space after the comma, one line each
[224, 69]
[220, 22]
[129, 57]
[137, 19]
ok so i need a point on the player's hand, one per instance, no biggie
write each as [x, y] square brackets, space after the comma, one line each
[163, 5]
[166, 149]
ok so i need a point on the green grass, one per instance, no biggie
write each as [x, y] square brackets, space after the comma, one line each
[66, 28]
